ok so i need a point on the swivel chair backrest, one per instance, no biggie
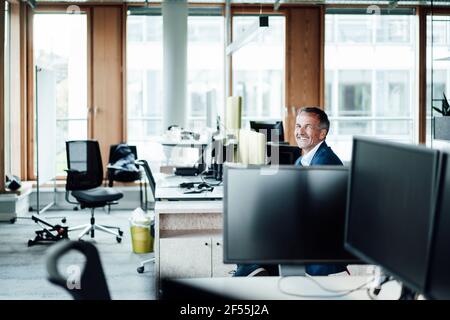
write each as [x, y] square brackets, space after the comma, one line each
[92, 283]
[84, 162]
[114, 156]
[118, 152]
[148, 173]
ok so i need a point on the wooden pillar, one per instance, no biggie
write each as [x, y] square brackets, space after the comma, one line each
[422, 108]
[107, 73]
[304, 62]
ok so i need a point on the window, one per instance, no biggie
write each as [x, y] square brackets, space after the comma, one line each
[205, 76]
[438, 72]
[205, 68]
[258, 69]
[370, 78]
[60, 44]
[144, 83]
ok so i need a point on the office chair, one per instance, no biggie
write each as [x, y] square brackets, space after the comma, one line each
[152, 183]
[118, 152]
[114, 174]
[84, 180]
[91, 285]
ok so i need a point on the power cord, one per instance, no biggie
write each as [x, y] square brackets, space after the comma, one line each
[338, 293]
[202, 176]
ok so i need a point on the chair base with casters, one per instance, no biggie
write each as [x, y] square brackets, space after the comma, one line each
[95, 198]
[91, 227]
[141, 268]
[49, 233]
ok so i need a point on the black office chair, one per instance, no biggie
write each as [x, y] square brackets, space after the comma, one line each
[84, 180]
[91, 285]
[116, 153]
[152, 183]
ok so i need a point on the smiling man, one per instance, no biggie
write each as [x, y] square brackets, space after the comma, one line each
[311, 129]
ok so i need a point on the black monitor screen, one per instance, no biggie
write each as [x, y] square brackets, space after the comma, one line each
[283, 154]
[438, 284]
[294, 216]
[270, 129]
[389, 208]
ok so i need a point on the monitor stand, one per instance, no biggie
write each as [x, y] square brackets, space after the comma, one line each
[289, 270]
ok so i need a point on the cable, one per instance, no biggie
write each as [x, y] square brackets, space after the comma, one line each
[338, 293]
[202, 176]
[374, 295]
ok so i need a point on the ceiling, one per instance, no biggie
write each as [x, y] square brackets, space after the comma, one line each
[349, 2]
[281, 2]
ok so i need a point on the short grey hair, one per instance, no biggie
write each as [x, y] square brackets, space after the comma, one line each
[323, 118]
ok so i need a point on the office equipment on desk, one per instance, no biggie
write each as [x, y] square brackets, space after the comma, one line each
[273, 131]
[84, 180]
[295, 216]
[174, 194]
[438, 282]
[233, 114]
[282, 154]
[390, 208]
[200, 166]
[92, 284]
[251, 147]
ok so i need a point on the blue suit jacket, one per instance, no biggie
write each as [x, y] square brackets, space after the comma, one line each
[323, 156]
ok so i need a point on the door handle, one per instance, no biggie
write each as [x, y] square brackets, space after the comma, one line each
[93, 110]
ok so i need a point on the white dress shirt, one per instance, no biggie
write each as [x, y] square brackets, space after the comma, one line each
[307, 158]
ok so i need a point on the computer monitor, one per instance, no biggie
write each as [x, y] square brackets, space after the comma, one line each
[270, 129]
[438, 283]
[390, 202]
[295, 216]
[283, 154]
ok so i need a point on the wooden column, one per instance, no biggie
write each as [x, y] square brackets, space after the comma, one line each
[304, 62]
[422, 107]
[2, 95]
[107, 85]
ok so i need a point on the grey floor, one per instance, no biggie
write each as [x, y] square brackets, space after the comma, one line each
[22, 269]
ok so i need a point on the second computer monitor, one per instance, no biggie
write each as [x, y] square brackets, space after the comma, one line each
[438, 283]
[390, 207]
[270, 129]
[295, 216]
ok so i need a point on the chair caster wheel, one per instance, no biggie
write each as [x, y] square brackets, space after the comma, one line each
[30, 243]
[119, 239]
[75, 208]
[13, 220]
[120, 233]
[63, 220]
[140, 269]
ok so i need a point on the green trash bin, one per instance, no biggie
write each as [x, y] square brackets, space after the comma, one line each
[140, 228]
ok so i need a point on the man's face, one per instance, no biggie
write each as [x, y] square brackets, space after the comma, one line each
[307, 131]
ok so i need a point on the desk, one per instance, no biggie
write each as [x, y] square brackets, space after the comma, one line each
[167, 188]
[266, 288]
[188, 240]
